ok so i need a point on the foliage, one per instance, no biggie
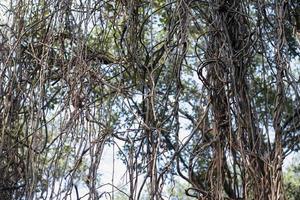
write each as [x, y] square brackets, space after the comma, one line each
[203, 90]
[292, 183]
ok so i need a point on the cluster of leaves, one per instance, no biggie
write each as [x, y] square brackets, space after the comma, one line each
[291, 182]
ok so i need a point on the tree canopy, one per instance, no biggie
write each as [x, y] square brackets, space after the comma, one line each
[205, 91]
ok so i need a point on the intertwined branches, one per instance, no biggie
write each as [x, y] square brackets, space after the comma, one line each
[203, 90]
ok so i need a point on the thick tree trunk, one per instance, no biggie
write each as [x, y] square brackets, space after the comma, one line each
[229, 56]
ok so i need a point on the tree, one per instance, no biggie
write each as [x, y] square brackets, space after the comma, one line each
[291, 182]
[204, 90]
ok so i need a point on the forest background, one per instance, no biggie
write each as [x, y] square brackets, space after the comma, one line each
[195, 99]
